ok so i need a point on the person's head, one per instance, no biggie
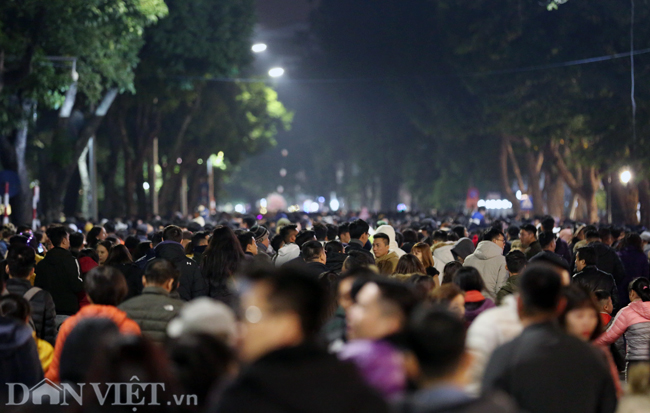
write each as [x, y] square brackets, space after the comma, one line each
[77, 240]
[437, 339]
[344, 233]
[515, 262]
[423, 252]
[580, 317]
[409, 264]
[460, 231]
[277, 242]
[105, 286]
[261, 235]
[289, 233]
[187, 238]
[119, 254]
[109, 226]
[172, 233]
[450, 270]
[21, 261]
[90, 253]
[380, 245]
[200, 239]
[547, 223]
[528, 234]
[410, 236]
[540, 289]
[95, 235]
[313, 251]
[282, 309]
[605, 235]
[334, 247]
[592, 235]
[16, 307]
[547, 241]
[222, 256]
[332, 232]
[103, 249]
[450, 296]
[634, 241]
[160, 273]
[359, 230]
[357, 260]
[58, 236]
[247, 242]
[586, 257]
[639, 289]
[496, 236]
[439, 236]
[321, 231]
[381, 309]
[304, 237]
[469, 279]
[604, 300]
[248, 221]
[513, 232]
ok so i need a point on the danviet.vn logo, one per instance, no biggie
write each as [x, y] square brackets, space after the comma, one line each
[133, 393]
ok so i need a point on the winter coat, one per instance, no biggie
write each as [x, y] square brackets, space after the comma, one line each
[387, 263]
[563, 250]
[449, 399]
[315, 269]
[45, 352]
[191, 282]
[609, 262]
[299, 379]
[634, 322]
[355, 245]
[490, 330]
[125, 325]
[463, 248]
[287, 253]
[19, 361]
[475, 304]
[42, 306]
[59, 274]
[143, 261]
[390, 231]
[636, 265]
[133, 276]
[335, 261]
[442, 255]
[533, 249]
[510, 287]
[594, 279]
[488, 259]
[152, 310]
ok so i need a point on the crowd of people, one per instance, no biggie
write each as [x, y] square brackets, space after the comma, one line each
[300, 313]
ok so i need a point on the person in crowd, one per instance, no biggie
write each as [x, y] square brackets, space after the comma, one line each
[131, 243]
[344, 233]
[199, 245]
[320, 230]
[262, 240]
[315, 258]
[150, 254]
[609, 262]
[187, 238]
[154, 308]
[488, 259]
[451, 297]
[59, 274]
[191, 281]
[423, 252]
[441, 250]
[19, 358]
[359, 234]
[450, 270]
[221, 260]
[460, 231]
[283, 313]
[247, 242]
[437, 340]
[385, 259]
[591, 277]
[528, 238]
[6, 232]
[21, 262]
[469, 280]
[605, 306]
[392, 238]
[289, 250]
[77, 241]
[248, 222]
[635, 261]
[515, 264]
[205, 316]
[409, 264]
[120, 258]
[633, 321]
[103, 249]
[358, 260]
[106, 288]
[547, 240]
[410, 239]
[463, 248]
[95, 235]
[88, 259]
[335, 256]
[544, 369]
[561, 247]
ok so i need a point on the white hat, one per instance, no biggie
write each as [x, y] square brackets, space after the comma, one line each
[645, 235]
[207, 316]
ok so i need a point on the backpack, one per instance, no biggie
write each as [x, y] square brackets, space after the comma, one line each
[28, 296]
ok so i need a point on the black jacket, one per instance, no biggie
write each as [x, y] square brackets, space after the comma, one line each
[355, 245]
[594, 279]
[546, 370]
[441, 401]
[315, 269]
[191, 282]
[133, 275]
[42, 305]
[59, 274]
[335, 261]
[609, 261]
[19, 362]
[299, 379]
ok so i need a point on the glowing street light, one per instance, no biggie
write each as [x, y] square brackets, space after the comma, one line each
[626, 176]
[259, 47]
[276, 72]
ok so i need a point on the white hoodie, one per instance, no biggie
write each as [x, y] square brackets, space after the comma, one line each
[390, 231]
[286, 254]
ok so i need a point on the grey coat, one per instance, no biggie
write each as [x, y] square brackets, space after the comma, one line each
[152, 310]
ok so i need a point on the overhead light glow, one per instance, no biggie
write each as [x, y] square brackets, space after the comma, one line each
[145, 186]
[240, 208]
[626, 176]
[334, 205]
[401, 207]
[259, 47]
[276, 72]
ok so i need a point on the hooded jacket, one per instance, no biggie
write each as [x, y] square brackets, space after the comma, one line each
[287, 253]
[594, 279]
[19, 361]
[152, 310]
[488, 259]
[636, 265]
[119, 317]
[191, 282]
[634, 322]
[335, 261]
[475, 304]
[390, 231]
[463, 248]
[387, 263]
[42, 306]
[442, 255]
[59, 274]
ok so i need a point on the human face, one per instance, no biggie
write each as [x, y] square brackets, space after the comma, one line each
[102, 253]
[580, 264]
[526, 238]
[102, 235]
[418, 254]
[292, 237]
[65, 243]
[345, 238]
[500, 241]
[379, 247]
[368, 318]
[457, 305]
[581, 322]
[345, 289]
[252, 248]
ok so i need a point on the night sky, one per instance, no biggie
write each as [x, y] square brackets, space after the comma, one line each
[277, 13]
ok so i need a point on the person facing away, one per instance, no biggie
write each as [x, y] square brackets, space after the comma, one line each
[289, 250]
[469, 280]
[548, 241]
[635, 261]
[515, 264]
[385, 259]
[21, 261]
[119, 257]
[609, 262]
[488, 259]
[437, 341]
[59, 274]
[283, 312]
[154, 308]
[590, 277]
[221, 260]
[315, 258]
[528, 237]
[561, 247]
[544, 369]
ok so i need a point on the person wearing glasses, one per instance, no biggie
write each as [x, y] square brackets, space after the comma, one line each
[488, 259]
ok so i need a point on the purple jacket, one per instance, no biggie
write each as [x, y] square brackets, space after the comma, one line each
[473, 309]
[636, 265]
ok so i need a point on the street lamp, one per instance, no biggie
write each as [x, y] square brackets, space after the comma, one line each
[626, 176]
[276, 72]
[259, 47]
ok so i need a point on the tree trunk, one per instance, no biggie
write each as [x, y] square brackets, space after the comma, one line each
[644, 200]
[554, 187]
[505, 180]
[625, 199]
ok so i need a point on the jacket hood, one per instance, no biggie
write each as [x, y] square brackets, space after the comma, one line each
[463, 248]
[487, 249]
[287, 253]
[13, 334]
[103, 311]
[170, 251]
[390, 231]
[642, 308]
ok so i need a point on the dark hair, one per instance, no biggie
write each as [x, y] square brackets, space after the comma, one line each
[516, 261]
[459, 230]
[131, 242]
[311, 250]
[172, 233]
[76, 240]
[344, 228]
[334, 246]
[409, 264]
[425, 250]
[119, 254]
[529, 228]
[156, 238]
[199, 235]
[89, 252]
[540, 287]
[106, 244]
[222, 257]
[358, 227]
[469, 279]
[249, 220]
[602, 295]
[245, 239]
[109, 226]
[286, 231]
[141, 250]
[321, 231]
[550, 259]
[492, 234]
[357, 260]
[546, 238]
[450, 270]
[548, 223]
[105, 286]
[513, 231]
[276, 242]
[21, 259]
[56, 234]
[91, 238]
[159, 271]
[15, 306]
[634, 240]
[437, 339]
[384, 237]
[304, 236]
[592, 234]
[439, 236]
[398, 294]
[604, 232]
[332, 232]
[641, 286]
[410, 236]
[588, 254]
[578, 298]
